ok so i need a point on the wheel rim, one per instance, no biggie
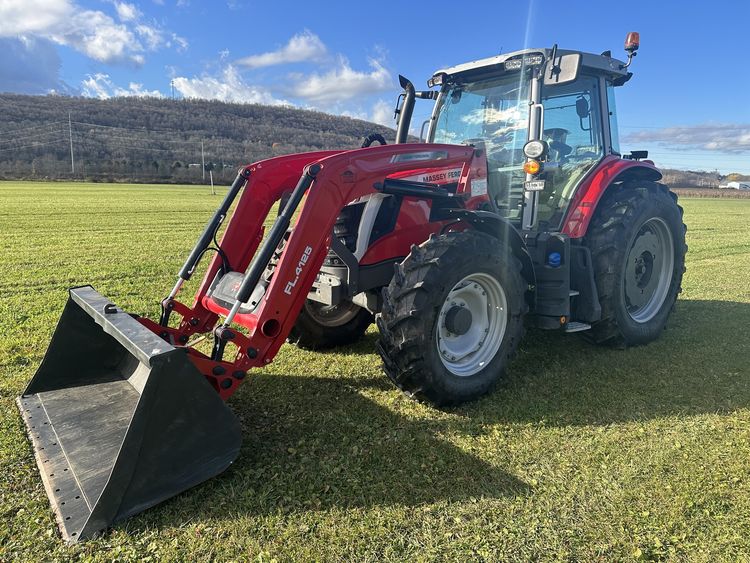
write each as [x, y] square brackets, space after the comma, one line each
[331, 315]
[469, 349]
[648, 270]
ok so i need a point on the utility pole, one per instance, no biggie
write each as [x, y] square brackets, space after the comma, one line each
[171, 84]
[203, 162]
[70, 135]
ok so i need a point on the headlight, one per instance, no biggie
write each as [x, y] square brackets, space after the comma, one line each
[533, 59]
[535, 149]
[436, 80]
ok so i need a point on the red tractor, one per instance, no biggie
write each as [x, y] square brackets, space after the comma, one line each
[517, 209]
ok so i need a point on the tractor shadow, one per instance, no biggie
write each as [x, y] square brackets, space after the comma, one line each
[320, 443]
[700, 365]
[315, 443]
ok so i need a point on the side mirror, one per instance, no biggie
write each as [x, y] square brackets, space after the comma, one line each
[422, 137]
[582, 108]
[562, 69]
[583, 111]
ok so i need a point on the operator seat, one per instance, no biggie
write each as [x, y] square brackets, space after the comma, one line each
[556, 139]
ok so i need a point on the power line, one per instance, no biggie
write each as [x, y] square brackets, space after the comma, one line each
[114, 146]
[36, 136]
[139, 129]
[34, 145]
[119, 146]
[155, 140]
[30, 127]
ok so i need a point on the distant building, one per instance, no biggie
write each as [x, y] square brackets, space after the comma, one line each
[735, 186]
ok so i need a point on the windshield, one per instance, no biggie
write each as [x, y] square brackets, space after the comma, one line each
[495, 112]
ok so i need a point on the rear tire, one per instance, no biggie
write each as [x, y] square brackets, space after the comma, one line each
[637, 242]
[322, 326]
[472, 279]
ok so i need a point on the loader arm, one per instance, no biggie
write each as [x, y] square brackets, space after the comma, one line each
[332, 182]
[267, 181]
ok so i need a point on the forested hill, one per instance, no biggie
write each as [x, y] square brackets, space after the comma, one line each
[158, 140]
[133, 139]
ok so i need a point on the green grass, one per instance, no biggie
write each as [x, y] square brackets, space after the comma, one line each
[582, 453]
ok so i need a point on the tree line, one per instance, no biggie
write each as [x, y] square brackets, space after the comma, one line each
[134, 139]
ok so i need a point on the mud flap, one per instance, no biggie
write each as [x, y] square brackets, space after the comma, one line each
[119, 419]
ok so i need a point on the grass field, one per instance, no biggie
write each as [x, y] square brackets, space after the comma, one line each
[583, 453]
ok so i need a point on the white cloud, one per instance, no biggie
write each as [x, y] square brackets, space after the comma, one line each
[127, 12]
[181, 42]
[97, 35]
[19, 17]
[228, 87]
[101, 86]
[151, 36]
[382, 113]
[92, 32]
[720, 137]
[96, 86]
[305, 46]
[341, 83]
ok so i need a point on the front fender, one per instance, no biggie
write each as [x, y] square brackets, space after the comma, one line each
[502, 229]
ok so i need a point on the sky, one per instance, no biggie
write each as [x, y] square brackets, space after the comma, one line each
[688, 102]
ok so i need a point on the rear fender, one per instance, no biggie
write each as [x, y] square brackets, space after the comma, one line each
[611, 171]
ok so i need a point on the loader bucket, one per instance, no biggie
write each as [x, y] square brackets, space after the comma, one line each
[119, 419]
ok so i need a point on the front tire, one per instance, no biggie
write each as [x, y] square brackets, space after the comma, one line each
[452, 317]
[320, 326]
[637, 242]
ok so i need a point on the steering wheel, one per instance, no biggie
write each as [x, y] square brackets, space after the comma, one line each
[505, 157]
[371, 138]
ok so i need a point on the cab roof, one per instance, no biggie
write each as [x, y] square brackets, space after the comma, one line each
[600, 64]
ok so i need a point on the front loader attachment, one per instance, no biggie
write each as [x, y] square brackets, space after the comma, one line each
[119, 419]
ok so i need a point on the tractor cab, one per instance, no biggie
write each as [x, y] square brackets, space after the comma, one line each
[544, 117]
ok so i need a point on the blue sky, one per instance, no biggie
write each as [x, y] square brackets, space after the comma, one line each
[688, 102]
